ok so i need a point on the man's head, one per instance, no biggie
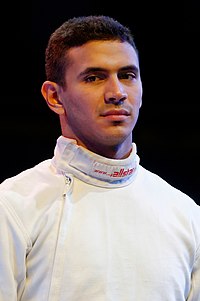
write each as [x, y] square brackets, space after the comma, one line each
[93, 83]
[76, 32]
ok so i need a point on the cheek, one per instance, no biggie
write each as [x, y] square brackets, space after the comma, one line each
[136, 101]
[138, 98]
[79, 109]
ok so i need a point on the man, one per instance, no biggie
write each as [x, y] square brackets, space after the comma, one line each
[92, 223]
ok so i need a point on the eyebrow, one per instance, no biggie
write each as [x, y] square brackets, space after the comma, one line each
[89, 70]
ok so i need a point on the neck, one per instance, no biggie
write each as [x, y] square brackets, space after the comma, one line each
[111, 152]
[116, 151]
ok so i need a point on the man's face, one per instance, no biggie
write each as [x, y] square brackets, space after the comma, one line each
[103, 94]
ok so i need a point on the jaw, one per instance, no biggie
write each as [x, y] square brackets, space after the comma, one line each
[111, 140]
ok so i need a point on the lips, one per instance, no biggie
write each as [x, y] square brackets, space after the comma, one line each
[116, 113]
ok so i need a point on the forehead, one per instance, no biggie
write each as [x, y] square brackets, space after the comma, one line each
[103, 54]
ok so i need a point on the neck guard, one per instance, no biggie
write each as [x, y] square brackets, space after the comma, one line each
[92, 168]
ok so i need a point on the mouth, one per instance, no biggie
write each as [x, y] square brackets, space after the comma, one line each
[116, 115]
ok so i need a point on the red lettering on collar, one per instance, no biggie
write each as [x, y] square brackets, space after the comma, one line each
[116, 174]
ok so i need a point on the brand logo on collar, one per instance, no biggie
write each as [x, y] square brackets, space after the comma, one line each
[116, 174]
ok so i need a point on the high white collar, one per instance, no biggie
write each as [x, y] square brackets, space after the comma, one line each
[92, 168]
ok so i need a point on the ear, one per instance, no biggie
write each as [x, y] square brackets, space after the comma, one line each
[50, 92]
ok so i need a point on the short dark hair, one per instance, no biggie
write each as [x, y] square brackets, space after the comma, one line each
[75, 32]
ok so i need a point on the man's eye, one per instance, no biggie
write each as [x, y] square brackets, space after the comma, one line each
[129, 76]
[92, 78]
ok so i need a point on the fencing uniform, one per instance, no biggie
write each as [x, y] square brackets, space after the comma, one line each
[81, 227]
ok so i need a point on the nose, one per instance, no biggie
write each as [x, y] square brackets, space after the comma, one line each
[115, 92]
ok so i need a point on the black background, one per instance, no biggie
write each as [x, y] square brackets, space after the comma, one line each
[167, 132]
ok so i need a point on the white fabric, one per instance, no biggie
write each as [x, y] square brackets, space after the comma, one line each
[66, 236]
[92, 168]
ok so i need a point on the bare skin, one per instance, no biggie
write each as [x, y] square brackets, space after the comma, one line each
[100, 103]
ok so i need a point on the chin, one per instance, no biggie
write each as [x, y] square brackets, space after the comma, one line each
[115, 139]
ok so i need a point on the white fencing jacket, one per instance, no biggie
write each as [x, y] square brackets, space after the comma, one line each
[81, 227]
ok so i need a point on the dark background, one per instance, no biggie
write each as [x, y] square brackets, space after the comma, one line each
[167, 133]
